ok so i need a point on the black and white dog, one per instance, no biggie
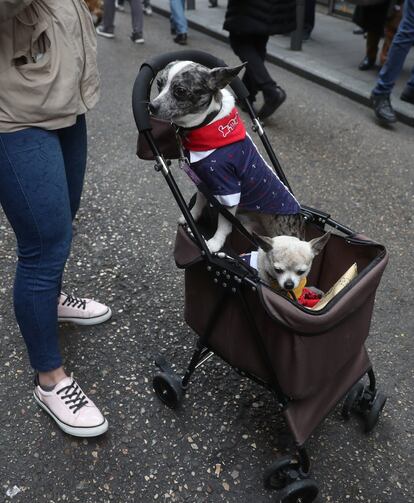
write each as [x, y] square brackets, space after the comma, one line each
[220, 152]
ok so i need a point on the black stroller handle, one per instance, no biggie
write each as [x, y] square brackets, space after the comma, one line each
[149, 70]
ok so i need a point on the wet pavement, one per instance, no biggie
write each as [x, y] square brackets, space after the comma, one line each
[213, 449]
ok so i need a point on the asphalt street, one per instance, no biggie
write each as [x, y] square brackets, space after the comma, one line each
[215, 448]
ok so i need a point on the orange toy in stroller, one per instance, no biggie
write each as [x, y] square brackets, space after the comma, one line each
[309, 359]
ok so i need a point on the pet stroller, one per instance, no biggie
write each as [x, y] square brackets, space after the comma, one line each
[310, 360]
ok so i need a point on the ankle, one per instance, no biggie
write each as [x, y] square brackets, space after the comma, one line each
[52, 377]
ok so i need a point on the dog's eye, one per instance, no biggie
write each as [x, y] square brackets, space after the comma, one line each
[278, 270]
[300, 272]
[180, 92]
[160, 84]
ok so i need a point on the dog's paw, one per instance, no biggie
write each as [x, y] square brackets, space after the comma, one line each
[214, 245]
[182, 220]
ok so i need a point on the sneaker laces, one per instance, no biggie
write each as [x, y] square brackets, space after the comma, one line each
[72, 394]
[72, 301]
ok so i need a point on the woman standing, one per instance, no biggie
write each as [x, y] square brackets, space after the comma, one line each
[250, 23]
[48, 80]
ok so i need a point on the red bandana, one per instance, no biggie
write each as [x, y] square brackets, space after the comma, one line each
[222, 132]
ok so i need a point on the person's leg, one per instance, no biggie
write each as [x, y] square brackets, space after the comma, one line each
[402, 43]
[252, 49]
[273, 94]
[107, 28]
[390, 29]
[309, 22]
[179, 20]
[373, 40]
[137, 20]
[147, 7]
[73, 142]
[34, 196]
[237, 43]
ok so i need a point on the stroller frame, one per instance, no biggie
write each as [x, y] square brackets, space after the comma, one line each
[291, 474]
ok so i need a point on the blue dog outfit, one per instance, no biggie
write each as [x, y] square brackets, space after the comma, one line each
[225, 158]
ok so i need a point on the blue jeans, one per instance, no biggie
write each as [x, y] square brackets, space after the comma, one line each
[178, 19]
[41, 179]
[401, 44]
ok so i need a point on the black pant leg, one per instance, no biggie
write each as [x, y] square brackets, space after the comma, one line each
[252, 49]
[309, 22]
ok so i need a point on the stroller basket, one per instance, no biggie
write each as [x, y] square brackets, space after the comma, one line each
[309, 359]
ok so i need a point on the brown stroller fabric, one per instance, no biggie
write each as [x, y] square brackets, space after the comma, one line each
[316, 355]
[165, 136]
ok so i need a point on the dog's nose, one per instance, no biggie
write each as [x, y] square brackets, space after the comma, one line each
[288, 285]
[153, 107]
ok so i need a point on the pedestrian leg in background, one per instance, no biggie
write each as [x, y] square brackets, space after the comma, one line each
[309, 23]
[373, 40]
[179, 25]
[402, 43]
[147, 7]
[137, 21]
[106, 29]
[252, 49]
[390, 29]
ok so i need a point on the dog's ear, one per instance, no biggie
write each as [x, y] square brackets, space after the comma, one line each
[317, 244]
[221, 76]
[265, 243]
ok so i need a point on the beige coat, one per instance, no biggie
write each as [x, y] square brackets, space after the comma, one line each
[48, 72]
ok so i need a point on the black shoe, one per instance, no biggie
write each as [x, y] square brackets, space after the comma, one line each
[366, 64]
[272, 101]
[408, 94]
[382, 107]
[137, 38]
[181, 39]
[213, 3]
[358, 31]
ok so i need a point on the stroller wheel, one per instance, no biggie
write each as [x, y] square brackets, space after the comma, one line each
[373, 414]
[352, 399]
[168, 389]
[280, 473]
[301, 491]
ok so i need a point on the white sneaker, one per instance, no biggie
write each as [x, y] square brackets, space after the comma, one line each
[107, 34]
[119, 6]
[148, 10]
[81, 311]
[72, 410]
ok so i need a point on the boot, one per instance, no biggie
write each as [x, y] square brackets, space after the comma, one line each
[272, 100]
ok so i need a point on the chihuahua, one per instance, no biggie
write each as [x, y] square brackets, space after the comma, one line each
[284, 261]
[221, 155]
